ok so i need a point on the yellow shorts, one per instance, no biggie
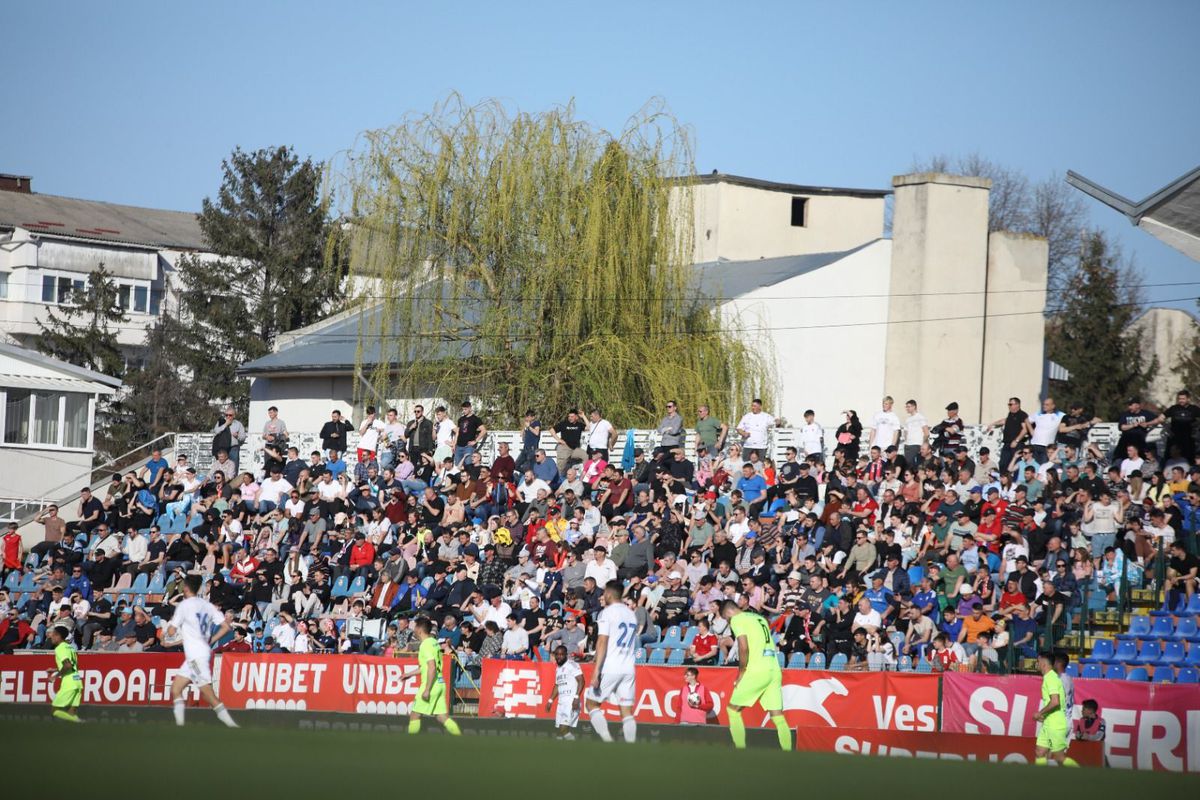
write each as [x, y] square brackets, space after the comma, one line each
[436, 704]
[1053, 736]
[764, 687]
[69, 694]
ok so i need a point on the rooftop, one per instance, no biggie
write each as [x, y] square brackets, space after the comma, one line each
[790, 188]
[1171, 214]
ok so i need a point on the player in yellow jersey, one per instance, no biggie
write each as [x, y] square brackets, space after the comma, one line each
[1052, 738]
[431, 700]
[66, 667]
[759, 680]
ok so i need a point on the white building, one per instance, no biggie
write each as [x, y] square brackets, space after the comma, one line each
[943, 311]
[51, 244]
[47, 415]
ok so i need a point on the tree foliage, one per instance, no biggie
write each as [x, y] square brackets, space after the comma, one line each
[1048, 208]
[1091, 336]
[532, 260]
[83, 329]
[1187, 367]
[267, 227]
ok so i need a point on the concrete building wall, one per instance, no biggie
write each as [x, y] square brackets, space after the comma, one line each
[306, 401]
[32, 473]
[738, 222]
[828, 353]
[938, 282]
[1167, 334]
[1014, 330]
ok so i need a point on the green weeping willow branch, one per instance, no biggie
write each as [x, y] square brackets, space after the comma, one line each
[534, 261]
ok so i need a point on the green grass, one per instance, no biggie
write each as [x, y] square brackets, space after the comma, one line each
[151, 759]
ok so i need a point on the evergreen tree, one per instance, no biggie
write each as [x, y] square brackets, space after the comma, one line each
[83, 329]
[268, 229]
[1090, 337]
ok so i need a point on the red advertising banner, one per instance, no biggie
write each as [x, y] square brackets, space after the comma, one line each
[108, 678]
[946, 746]
[882, 700]
[346, 683]
[1149, 726]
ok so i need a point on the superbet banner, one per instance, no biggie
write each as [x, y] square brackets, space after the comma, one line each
[108, 678]
[943, 746]
[346, 683]
[1149, 726]
[879, 700]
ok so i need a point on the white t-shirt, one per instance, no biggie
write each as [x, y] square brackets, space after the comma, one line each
[136, 548]
[394, 432]
[370, 437]
[1130, 464]
[601, 573]
[756, 426]
[885, 425]
[914, 429]
[196, 620]
[516, 641]
[529, 491]
[619, 624]
[284, 635]
[271, 490]
[566, 679]
[871, 619]
[329, 491]
[445, 433]
[1045, 428]
[811, 436]
[598, 435]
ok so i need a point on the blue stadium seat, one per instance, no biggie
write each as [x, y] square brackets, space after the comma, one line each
[1167, 611]
[140, 583]
[1113, 672]
[32, 560]
[640, 656]
[796, 661]
[1173, 652]
[158, 584]
[1150, 653]
[905, 664]
[1163, 628]
[658, 657]
[12, 581]
[676, 658]
[1126, 651]
[1163, 674]
[915, 574]
[672, 639]
[1093, 670]
[1188, 675]
[816, 661]
[1193, 605]
[358, 585]
[28, 584]
[1193, 654]
[1138, 674]
[781, 658]
[1073, 670]
[341, 587]
[838, 662]
[1186, 628]
[1138, 626]
[690, 635]
[1102, 650]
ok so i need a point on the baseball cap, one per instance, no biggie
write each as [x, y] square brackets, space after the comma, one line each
[953, 406]
[795, 575]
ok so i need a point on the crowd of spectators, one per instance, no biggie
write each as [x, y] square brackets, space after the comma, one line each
[887, 541]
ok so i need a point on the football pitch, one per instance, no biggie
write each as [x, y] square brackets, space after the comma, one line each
[147, 758]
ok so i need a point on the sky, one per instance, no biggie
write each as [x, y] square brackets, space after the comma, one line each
[138, 102]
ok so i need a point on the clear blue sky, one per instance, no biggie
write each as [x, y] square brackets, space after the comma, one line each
[138, 102]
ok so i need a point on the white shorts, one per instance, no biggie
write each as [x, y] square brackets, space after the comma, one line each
[619, 689]
[197, 669]
[566, 713]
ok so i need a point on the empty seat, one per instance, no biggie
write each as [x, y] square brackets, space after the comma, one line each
[658, 657]
[358, 585]
[140, 582]
[1113, 672]
[676, 658]
[1188, 674]
[157, 584]
[1138, 626]
[1173, 652]
[1138, 674]
[905, 664]
[1094, 670]
[124, 583]
[640, 656]
[915, 574]
[1193, 605]
[1126, 651]
[1164, 674]
[28, 584]
[796, 661]
[1163, 628]
[1073, 669]
[817, 660]
[1150, 653]
[12, 581]
[341, 587]
[1167, 611]
[1193, 654]
[1186, 629]
[838, 662]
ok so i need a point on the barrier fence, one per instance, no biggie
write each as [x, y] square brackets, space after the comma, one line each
[1149, 726]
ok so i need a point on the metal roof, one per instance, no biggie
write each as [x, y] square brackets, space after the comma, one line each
[330, 347]
[93, 220]
[1171, 214]
[72, 375]
[790, 188]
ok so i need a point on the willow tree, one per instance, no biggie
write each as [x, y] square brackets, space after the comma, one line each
[534, 261]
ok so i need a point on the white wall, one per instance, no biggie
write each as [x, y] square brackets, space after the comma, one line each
[1166, 334]
[1015, 334]
[828, 353]
[33, 473]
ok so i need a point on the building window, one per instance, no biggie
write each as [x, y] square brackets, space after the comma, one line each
[56, 289]
[799, 211]
[133, 297]
[55, 419]
[156, 296]
[3, 285]
[16, 416]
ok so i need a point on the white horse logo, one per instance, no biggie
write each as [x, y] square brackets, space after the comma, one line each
[812, 698]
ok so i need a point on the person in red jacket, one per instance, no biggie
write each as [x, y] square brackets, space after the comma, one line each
[362, 554]
[13, 549]
[695, 700]
[14, 632]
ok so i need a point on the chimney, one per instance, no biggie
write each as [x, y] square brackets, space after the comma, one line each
[16, 183]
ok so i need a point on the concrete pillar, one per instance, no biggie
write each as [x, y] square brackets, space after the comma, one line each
[1014, 330]
[938, 283]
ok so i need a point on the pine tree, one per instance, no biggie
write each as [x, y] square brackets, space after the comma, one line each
[268, 229]
[1091, 338]
[83, 330]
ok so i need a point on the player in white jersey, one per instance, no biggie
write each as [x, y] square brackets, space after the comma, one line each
[199, 623]
[568, 691]
[617, 643]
